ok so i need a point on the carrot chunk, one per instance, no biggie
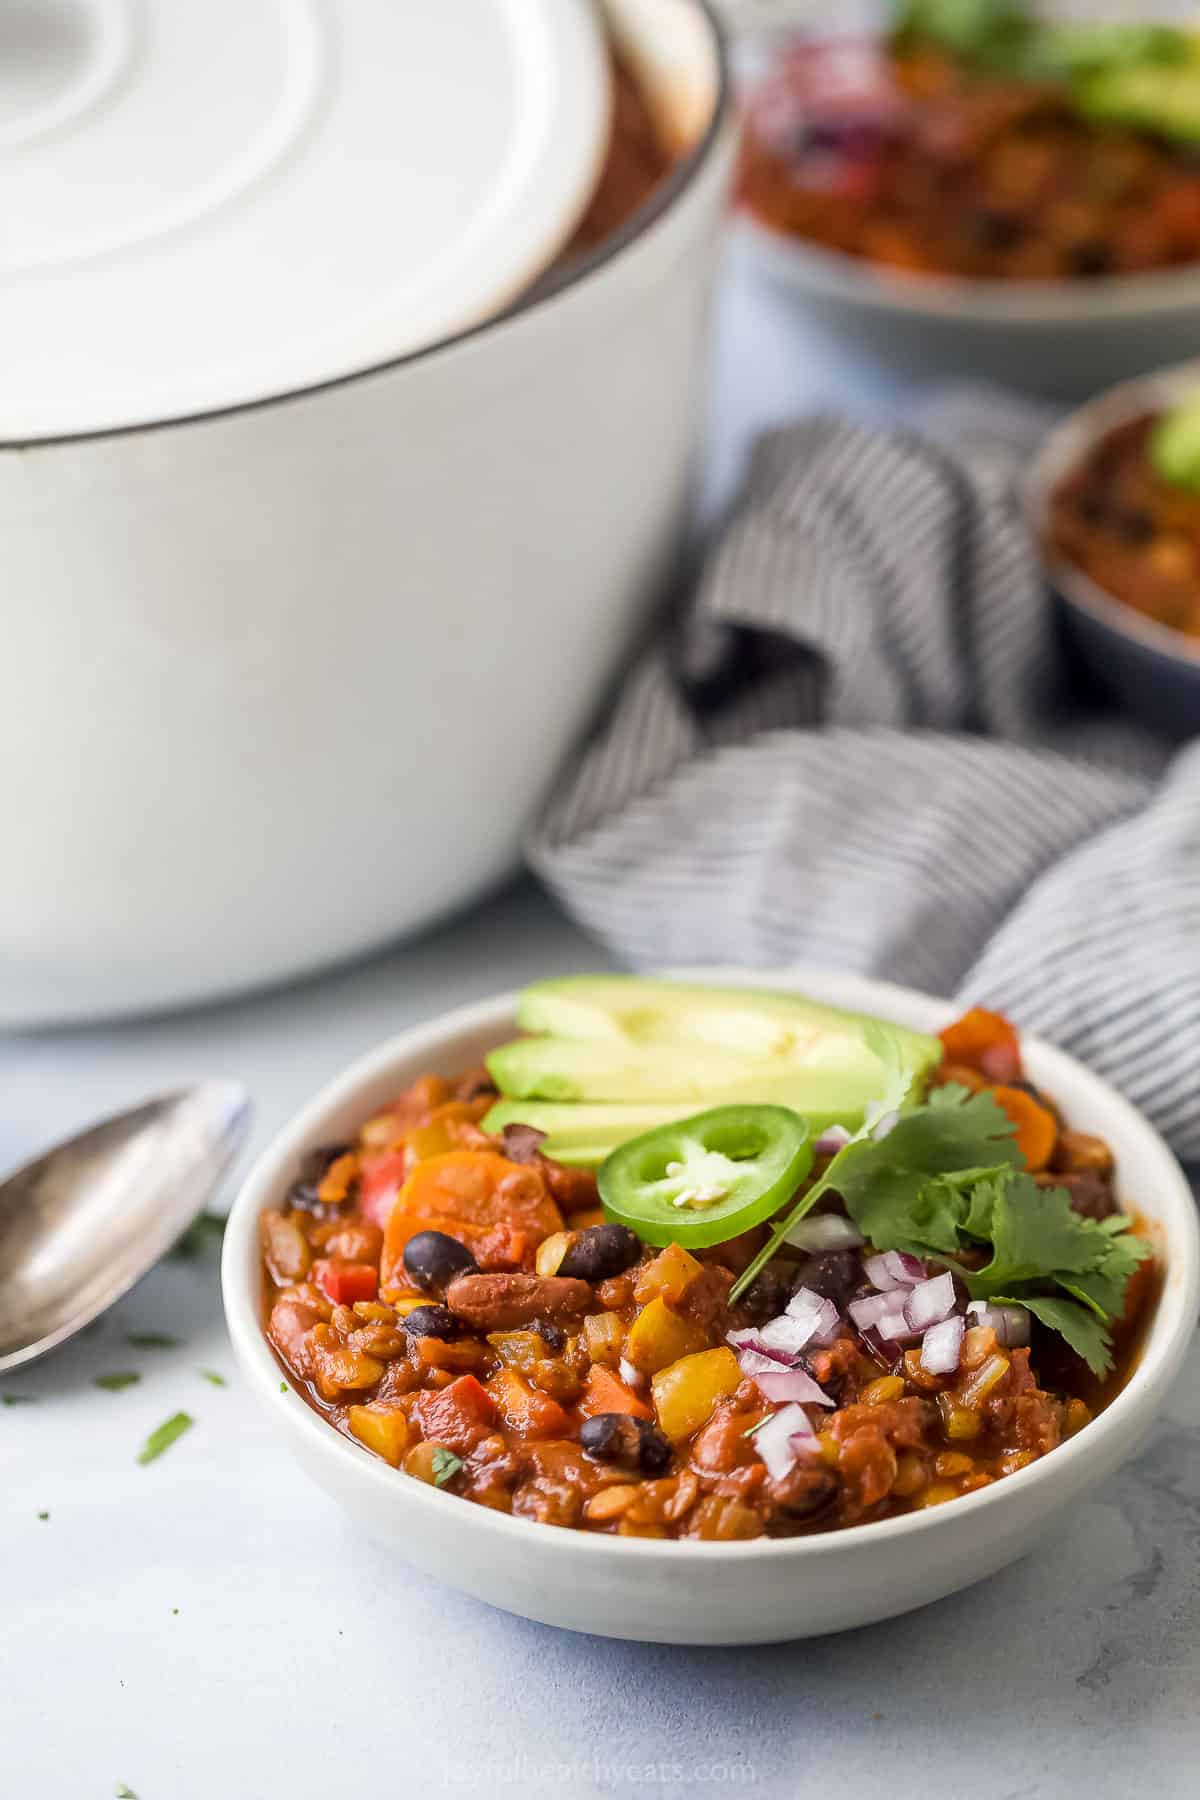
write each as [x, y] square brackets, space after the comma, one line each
[1037, 1128]
[604, 1392]
[476, 1196]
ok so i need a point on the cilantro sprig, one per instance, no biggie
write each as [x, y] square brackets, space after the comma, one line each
[946, 1182]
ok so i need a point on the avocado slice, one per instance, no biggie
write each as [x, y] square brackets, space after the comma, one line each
[1161, 97]
[583, 1136]
[1175, 444]
[787, 1031]
[577, 1070]
[619, 1055]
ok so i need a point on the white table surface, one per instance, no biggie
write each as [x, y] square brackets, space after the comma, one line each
[209, 1626]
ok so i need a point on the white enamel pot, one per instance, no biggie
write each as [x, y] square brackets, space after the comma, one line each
[287, 680]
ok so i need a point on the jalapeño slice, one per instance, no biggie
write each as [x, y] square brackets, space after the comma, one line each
[702, 1180]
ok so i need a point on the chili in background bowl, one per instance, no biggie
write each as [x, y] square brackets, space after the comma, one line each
[685, 1592]
[1049, 333]
[1146, 666]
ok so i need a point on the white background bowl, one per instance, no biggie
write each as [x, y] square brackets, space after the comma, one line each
[686, 1593]
[282, 682]
[1062, 339]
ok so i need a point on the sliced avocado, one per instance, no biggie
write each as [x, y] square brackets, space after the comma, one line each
[583, 1136]
[575, 1069]
[1160, 97]
[786, 1030]
[1175, 444]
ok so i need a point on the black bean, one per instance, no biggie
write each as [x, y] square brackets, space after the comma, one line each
[314, 1166]
[834, 1274]
[522, 1143]
[431, 1321]
[432, 1259]
[1091, 258]
[996, 229]
[767, 1294]
[620, 1438]
[601, 1252]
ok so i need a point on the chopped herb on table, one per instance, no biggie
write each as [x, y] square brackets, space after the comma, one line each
[165, 1436]
[121, 1378]
[204, 1233]
[124, 1793]
[152, 1340]
[214, 1380]
[43, 1515]
[283, 1387]
[19, 1399]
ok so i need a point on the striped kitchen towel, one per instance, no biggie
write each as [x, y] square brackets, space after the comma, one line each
[860, 745]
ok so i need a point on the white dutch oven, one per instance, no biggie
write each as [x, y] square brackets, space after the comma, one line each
[285, 679]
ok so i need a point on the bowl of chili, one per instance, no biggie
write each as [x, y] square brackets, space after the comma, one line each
[1118, 521]
[733, 1441]
[986, 194]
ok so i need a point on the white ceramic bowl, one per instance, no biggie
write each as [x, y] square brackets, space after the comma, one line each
[285, 681]
[708, 1593]
[1152, 671]
[1062, 339]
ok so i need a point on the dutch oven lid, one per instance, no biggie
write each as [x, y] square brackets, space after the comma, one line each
[208, 202]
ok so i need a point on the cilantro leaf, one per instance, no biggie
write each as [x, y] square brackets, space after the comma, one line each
[1035, 1232]
[445, 1465]
[1085, 1333]
[1103, 1287]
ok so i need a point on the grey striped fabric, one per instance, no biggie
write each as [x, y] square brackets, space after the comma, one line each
[859, 745]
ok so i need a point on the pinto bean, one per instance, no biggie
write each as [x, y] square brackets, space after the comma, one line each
[507, 1302]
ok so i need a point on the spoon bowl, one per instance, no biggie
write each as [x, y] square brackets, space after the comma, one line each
[83, 1223]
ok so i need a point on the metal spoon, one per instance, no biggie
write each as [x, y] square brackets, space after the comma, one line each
[81, 1224]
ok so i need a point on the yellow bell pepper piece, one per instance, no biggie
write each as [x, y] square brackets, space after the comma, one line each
[381, 1429]
[686, 1392]
[658, 1337]
[668, 1277]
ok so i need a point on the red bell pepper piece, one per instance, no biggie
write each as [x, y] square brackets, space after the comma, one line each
[346, 1282]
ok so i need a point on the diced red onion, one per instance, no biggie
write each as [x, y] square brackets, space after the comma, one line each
[818, 1312]
[791, 1384]
[942, 1345]
[828, 1144]
[756, 1362]
[1011, 1324]
[930, 1302]
[749, 1342]
[868, 1311]
[894, 1269]
[825, 1231]
[894, 1328]
[785, 1437]
[787, 1333]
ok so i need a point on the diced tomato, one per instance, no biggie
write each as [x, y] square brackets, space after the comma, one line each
[346, 1282]
[380, 1183]
[457, 1416]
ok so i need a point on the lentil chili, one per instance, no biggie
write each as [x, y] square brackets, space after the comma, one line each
[917, 160]
[459, 1305]
[1137, 534]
